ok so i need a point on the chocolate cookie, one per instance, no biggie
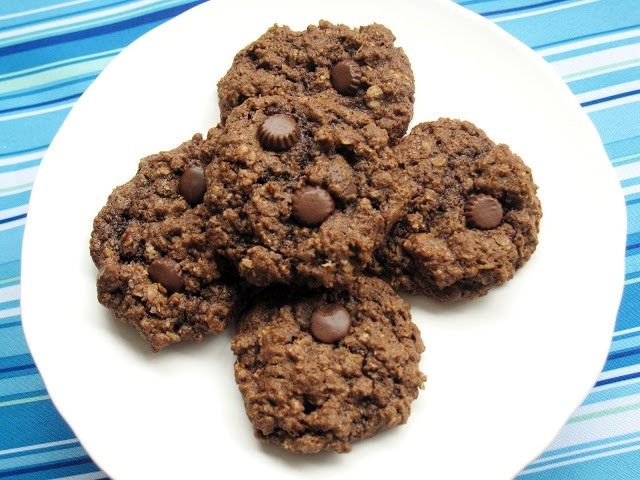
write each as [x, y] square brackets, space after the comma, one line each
[302, 191]
[156, 271]
[320, 369]
[473, 224]
[359, 68]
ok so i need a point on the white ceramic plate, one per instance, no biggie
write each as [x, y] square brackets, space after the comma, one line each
[505, 371]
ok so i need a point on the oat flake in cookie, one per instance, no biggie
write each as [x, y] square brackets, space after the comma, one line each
[308, 394]
[359, 68]
[156, 271]
[474, 222]
[305, 198]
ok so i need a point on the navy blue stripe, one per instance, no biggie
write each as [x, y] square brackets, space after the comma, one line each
[624, 353]
[11, 219]
[42, 104]
[17, 368]
[42, 468]
[617, 379]
[102, 30]
[24, 152]
[566, 41]
[612, 97]
[520, 9]
[632, 247]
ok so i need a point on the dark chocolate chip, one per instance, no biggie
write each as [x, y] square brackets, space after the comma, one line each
[192, 185]
[312, 205]
[330, 323]
[168, 273]
[346, 76]
[279, 132]
[483, 211]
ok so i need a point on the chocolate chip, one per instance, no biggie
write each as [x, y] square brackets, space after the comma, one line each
[346, 76]
[192, 185]
[330, 323]
[312, 205]
[483, 211]
[168, 273]
[279, 132]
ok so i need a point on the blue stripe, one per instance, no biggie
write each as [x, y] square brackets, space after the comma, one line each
[97, 31]
[42, 104]
[68, 14]
[588, 36]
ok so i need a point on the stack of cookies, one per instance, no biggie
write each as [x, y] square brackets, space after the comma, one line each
[297, 217]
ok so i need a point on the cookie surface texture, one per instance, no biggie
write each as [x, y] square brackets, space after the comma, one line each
[156, 271]
[308, 395]
[375, 77]
[475, 221]
[313, 212]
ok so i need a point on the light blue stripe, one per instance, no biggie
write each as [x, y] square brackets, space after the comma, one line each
[604, 394]
[41, 458]
[614, 123]
[42, 129]
[11, 241]
[13, 341]
[23, 384]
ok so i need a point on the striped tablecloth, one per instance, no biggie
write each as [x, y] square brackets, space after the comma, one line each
[51, 51]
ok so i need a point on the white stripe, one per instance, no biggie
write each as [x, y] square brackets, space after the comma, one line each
[12, 212]
[630, 190]
[43, 9]
[540, 12]
[581, 459]
[38, 447]
[588, 43]
[37, 112]
[18, 177]
[9, 312]
[619, 372]
[27, 157]
[8, 294]
[628, 330]
[612, 103]
[600, 59]
[15, 224]
[630, 170]
[608, 91]
[75, 20]
[597, 429]
[584, 450]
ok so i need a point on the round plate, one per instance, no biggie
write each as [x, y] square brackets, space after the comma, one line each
[505, 371]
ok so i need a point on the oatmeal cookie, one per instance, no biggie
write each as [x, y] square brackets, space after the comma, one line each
[156, 271]
[473, 224]
[301, 191]
[359, 68]
[320, 369]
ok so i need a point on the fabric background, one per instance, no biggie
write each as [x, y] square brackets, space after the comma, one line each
[51, 51]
